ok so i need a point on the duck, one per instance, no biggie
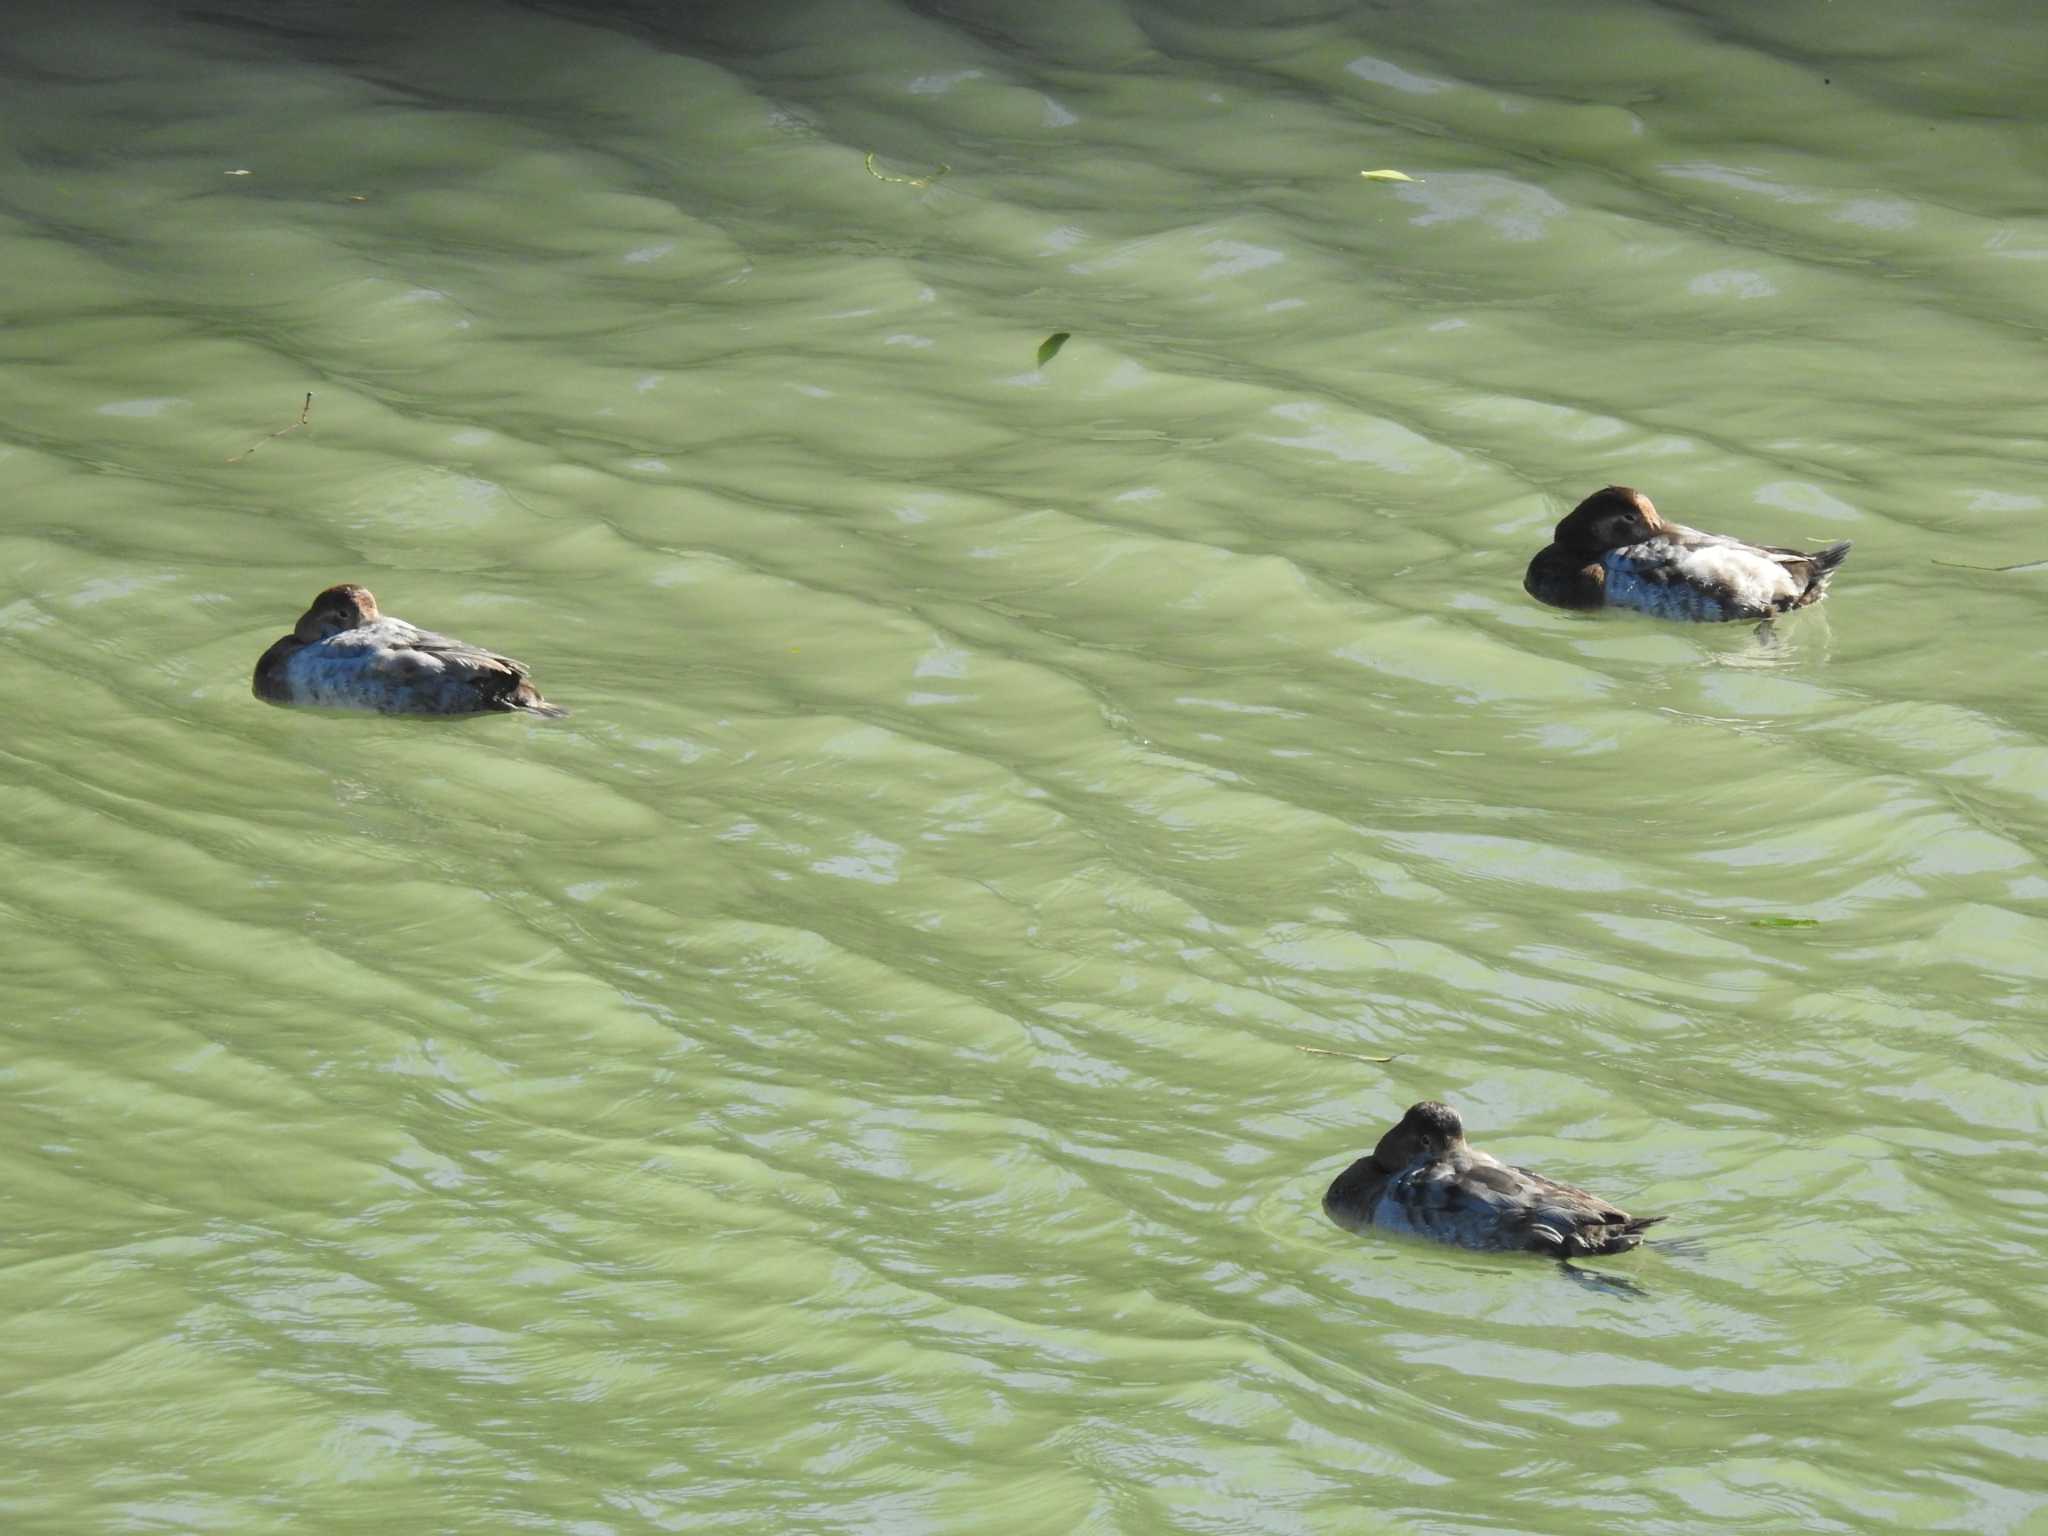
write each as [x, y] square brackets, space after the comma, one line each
[1613, 550]
[346, 654]
[1423, 1179]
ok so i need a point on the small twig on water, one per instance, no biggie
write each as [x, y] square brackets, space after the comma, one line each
[1957, 565]
[909, 181]
[1317, 1050]
[305, 412]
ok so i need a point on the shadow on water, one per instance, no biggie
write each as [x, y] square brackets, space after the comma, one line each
[1594, 1280]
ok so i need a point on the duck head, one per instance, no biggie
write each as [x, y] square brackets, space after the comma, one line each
[1613, 518]
[1427, 1132]
[335, 611]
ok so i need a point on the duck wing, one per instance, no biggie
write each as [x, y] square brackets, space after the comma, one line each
[1475, 1201]
[438, 674]
[1470, 1200]
[1808, 570]
[456, 655]
[1685, 574]
[1565, 1220]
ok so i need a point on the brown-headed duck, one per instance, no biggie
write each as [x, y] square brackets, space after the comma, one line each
[1424, 1180]
[1613, 551]
[344, 654]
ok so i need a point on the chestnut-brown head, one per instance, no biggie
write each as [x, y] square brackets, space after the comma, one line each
[1428, 1130]
[334, 612]
[1612, 518]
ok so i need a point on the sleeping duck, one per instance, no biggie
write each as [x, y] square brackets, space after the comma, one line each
[1614, 551]
[1424, 1180]
[344, 654]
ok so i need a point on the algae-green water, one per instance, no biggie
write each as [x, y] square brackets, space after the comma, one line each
[844, 1078]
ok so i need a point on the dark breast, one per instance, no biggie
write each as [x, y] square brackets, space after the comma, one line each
[269, 682]
[1350, 1199]
[1562, 580]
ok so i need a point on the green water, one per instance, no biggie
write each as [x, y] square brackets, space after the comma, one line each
[844, 1078]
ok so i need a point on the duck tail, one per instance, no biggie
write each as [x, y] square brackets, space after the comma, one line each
[1824, 562]
[525, 700]
[1621, 1236]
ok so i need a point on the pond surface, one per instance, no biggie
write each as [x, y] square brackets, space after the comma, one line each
[845, 1077]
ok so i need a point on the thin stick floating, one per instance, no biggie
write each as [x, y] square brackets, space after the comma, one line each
[1317, 1050]
[305, 414]
[1957, 565]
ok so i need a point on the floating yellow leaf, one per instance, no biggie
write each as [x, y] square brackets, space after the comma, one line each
[1388, 176]
[908, 181]
[1317, 1050]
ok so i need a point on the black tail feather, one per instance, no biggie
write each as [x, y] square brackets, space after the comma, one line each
[1619, 1238]
[1825, 561]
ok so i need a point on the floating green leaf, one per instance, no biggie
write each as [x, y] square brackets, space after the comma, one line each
[1049, 348]
[1388, 176]
[1784, 922]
